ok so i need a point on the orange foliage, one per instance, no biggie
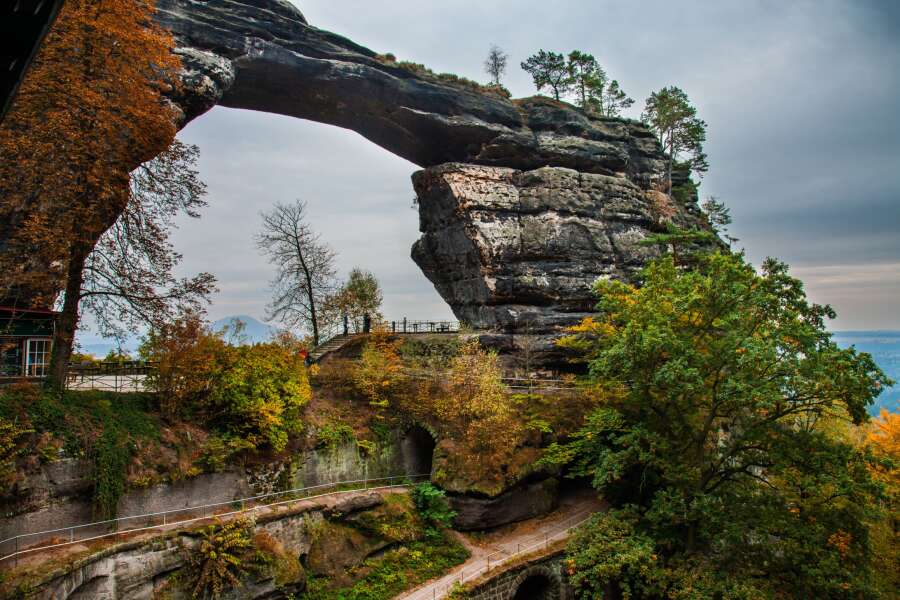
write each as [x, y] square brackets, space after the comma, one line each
[884, 440]
[90, 110]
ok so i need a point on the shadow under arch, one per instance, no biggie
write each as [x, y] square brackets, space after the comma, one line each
[417, 450]
[536, 587]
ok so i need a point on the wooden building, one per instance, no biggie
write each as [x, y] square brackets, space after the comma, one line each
[26, 336]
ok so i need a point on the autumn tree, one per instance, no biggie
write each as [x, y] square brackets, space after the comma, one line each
[673, 119]
[379, 374]
[91, 108]
[128, 277]
[357, 297]
[495, 63]
[304, 268]
[549, 69]
[708, 441]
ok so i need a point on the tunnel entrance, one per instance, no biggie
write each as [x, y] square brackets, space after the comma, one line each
[535, 587]
[417, 448]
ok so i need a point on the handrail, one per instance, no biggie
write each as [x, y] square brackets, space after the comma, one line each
[543, 540]
[117, 532]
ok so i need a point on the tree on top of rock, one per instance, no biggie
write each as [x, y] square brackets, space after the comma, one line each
[495, 63]
[549, 70]
[674, 120]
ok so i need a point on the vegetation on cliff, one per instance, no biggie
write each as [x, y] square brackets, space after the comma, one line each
[713, 442]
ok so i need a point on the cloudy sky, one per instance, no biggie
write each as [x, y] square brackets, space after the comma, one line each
[801, 98]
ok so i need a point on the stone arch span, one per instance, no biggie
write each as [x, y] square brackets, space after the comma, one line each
[523, 203]
[417, 448]
[537, 586]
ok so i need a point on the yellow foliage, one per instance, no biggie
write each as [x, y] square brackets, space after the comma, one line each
[379, 374]
[474, 412]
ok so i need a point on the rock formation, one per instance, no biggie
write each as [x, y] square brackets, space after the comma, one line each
[523, 203]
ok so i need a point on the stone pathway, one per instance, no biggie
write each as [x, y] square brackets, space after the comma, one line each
[495, 548]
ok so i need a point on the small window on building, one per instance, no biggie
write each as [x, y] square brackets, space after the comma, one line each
[37, 358]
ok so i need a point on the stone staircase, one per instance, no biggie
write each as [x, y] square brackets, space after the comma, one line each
[332, 345]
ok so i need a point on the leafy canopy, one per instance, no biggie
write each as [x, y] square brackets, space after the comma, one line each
[708, 440]
[673, 119]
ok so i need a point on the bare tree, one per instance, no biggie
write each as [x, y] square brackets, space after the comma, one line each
[305, 273]
[128, 277]
[495, 64]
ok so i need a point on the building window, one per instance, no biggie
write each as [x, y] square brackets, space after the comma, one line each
[37, 358]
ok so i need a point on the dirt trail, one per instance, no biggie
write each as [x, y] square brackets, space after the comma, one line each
[497, 547]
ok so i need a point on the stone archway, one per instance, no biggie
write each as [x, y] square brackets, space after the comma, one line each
[540, 582]
[417, 449]
[535, 587]
[523, 203]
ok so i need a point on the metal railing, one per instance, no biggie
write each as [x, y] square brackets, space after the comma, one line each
[175, 517]
[407, 326]
[125, 376]
[497, 559]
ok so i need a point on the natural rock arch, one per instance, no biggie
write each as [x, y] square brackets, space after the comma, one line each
[523, 203]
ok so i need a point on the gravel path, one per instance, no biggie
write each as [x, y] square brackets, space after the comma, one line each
[492, 550]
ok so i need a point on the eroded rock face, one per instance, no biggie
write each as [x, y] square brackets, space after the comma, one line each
[523, 501]
[516, 252]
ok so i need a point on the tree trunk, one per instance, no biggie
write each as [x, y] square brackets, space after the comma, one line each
[67, 323]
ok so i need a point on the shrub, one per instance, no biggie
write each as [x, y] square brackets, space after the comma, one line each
[12, 438]
[225, 555]
[260, 394]
[333, 433]
[252, 392]
[220, 449]
[189, 358]
[431, 504]
[111, 457]
[379, 374]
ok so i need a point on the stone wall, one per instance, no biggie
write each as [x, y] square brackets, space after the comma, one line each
[58, 494]
[142, 570]
[542, 578]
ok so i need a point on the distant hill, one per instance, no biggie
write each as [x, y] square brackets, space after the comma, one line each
[884, 346]
[254, 331]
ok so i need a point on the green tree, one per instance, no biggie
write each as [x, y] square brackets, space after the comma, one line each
[681, 243]
[614, 100]
[433, 508]
[588, 79]
[549, 69]
[674, 120]
[709, 444]
[719, 217]
[359, 296]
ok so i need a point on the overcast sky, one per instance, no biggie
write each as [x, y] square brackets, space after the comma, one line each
[801, 99]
